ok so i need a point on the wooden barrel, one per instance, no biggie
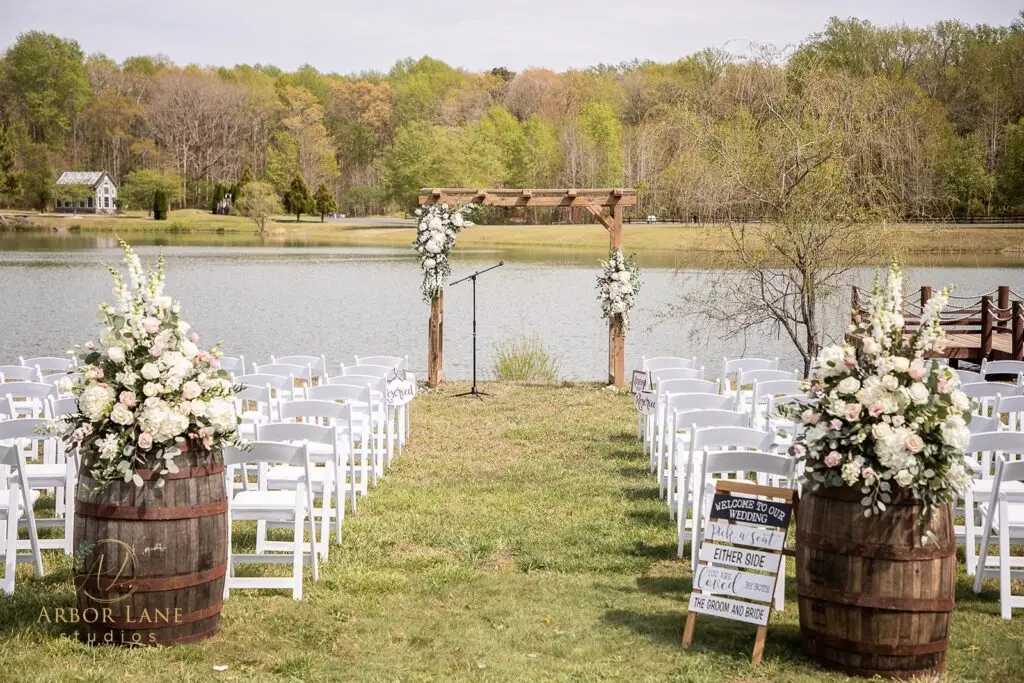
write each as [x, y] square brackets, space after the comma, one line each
[874, 600]
[150, 562]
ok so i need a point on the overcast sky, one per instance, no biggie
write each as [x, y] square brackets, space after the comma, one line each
[348, 37]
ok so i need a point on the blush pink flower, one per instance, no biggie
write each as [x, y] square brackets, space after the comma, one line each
[943, 386]
[128, 399]
[193, 337]
[836, 423]
[145, 441]
[853, 411]
[799, 450]
[833, 459]
[150, 325]
[156, 350]
[868, 474]
[876, 410]
[810, 417]
[914, 443]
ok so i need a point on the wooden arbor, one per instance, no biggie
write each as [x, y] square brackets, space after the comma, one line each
[593, 200]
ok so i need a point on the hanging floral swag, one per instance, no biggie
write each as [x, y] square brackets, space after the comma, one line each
[617, 287]
[435, 237]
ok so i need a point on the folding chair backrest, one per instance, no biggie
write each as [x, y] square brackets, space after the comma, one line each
[984, 445]
[398, 362]
[321, 410]
[658, 376]
[734, 366]
[267, 452]
[687, 386]
[376, 384]
[666, 362]
[20, 373]
[764, 389]
[60, 407]
[1013, 408]
[1002, 367]
[724, 462]
[982, 423]
[28, 390]
[367, 370]
[255, 392]
[316, 364]
[264, 380]
[294, 432]
[675, 403]
[47, 364]
[750, 376]
[731, 438]
[354, 392]
[284, 370]
[968, 376]
[233, 365]
[712, 417]
[26, 428]
[980, 390]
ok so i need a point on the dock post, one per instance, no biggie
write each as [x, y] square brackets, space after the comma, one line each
[926, 294]
[986, 328]
[1017, 314]
[1003, 299]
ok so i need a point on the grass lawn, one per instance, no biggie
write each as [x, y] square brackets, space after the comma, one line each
[517, 538]
[689, 242]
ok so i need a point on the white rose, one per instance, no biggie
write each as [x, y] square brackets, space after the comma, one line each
[121, 414]
[900, 364]
[849, 385]
[191, 390]
[457, 220]
[919, 393]
[188, 349]
[433, 247]
[199, 408]
[890, 382]
[150, 371]
[96, 401]
[183, 327]
[116, 354]
[960, 400]
[904, 478]
[418, 212]
[222, 415]
[429, 263]
[152, 389]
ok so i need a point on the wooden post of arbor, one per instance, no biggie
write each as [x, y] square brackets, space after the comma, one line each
[593, 200]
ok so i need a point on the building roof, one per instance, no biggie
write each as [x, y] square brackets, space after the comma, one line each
[91, 178]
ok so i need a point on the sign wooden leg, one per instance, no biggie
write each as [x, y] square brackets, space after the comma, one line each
[691, 621]
[762, 631]
[435, 340]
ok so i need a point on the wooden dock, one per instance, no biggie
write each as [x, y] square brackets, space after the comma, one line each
[985, 327]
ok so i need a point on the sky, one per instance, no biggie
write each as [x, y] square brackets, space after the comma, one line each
[349, 37]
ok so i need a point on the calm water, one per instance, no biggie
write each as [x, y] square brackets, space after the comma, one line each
[344, 301]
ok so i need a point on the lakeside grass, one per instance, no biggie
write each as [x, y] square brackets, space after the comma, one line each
[704, 241]
[517, 538]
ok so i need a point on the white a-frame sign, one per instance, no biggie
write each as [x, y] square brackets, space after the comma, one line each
[741, 551]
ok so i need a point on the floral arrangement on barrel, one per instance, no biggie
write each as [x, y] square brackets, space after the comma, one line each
[617, 287]
[435, 237]
[146, 391]
[882, 417]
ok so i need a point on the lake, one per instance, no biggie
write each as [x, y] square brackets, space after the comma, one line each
[340, 302]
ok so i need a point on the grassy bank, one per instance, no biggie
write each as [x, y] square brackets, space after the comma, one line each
[518, 538]
[921, 240]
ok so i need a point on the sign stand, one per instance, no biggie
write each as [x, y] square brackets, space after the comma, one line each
[748, 532]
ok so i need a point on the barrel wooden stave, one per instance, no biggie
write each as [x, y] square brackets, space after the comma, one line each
[873, 600]
[171, 583]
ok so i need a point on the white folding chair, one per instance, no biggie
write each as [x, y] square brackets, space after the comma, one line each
[1012, 368]
[233, 365]
[16, 501]
[317, 365]
[28, 398]
[266, 391]
[732, 367]
[384, 419]
[656, 377]
[301, 377]
[1011, 410]
[986, 394]
[58, 477]
[403, 415]
[763, 391]
[339, 416]
[325, 477]
[743, 397]
[982, 452]
[356, 394]
[723, 464]
[20, 373]
[968, 376]
[668, 446]
[665, 362]
[48, 364]
[660, 417]
[294, 507]
[1003, 514]
[706, 440]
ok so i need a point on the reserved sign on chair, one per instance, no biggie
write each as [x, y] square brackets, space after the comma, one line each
[740, 555]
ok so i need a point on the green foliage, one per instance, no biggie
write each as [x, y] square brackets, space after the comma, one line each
[602, 134]
[297, 199]
[159, 205]
[219, 190]
[324, 201]
[10, 175]
[419, 86]
[259, 202]
[416, 159]
[140, 187]
[1011, 169]
[48, 83]
[37, 183]
[966, 183]
[525, 359]
[76, 194]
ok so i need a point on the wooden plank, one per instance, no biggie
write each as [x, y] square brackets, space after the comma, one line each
[741, 534]
[534, 197]
[726, 608]
[734, 583]
[599, 214]
[736, 486]
[739, 557]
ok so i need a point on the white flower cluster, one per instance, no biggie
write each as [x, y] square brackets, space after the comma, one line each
[147, 391]
[617, 287]
[436, 229]
[882, 416]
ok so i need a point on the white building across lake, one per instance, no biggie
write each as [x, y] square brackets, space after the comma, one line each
[102, 199]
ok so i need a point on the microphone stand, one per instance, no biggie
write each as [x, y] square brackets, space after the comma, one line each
[474, 391]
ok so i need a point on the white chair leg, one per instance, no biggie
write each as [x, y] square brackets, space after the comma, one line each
[261, 537]
[970, 559]
[1004, 559]
[297, 555]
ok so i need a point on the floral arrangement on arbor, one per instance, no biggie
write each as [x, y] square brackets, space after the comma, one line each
[146, 391]
[435, 237]
[617, 287]
[882, 417]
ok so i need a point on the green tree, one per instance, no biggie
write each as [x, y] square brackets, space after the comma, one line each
[140, 186]
[76, 195]
[48, 83]
[414, 161]
[1011, 168]
[10, 176]
[160, 205]
[966, 184]
[259, 202]
[324, 201]
[37, 183]
[297, 199]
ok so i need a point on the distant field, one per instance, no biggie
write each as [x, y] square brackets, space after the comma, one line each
[932, 239]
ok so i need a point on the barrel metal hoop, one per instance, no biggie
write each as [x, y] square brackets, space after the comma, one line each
[182, 473]
[147, 513]
[875, 648]
[870, 550]
[152, 584]
[875, 601]
[180, 620]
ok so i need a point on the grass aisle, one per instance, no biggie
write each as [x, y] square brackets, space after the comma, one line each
[518, 538]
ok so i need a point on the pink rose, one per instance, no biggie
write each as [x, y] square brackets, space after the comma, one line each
[853, 411]
[914, 443]
[870, 345]
[876, 410]
[868, 474]
[836, 423]
[917, 369]
[156, 350]
[943, 386]
[145, 441]
[86, 428]
[151, 325]
[215, 363]
[90, 345]
[810, 417]
[96, 373]
[193, 336]
[850, 363]
[833, 459]
[127, 399]
[77, 435]
[799, 450]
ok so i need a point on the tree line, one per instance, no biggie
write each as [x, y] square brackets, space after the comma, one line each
[926, 123]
